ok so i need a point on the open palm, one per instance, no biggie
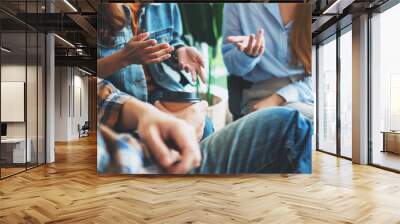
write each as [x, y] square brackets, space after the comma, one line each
[191, 61]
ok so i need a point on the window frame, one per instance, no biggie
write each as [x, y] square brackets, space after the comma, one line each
[378, 10]
[334, 37]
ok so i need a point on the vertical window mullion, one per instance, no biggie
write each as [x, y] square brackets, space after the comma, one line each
[26, 86]
[338, 80]
[317, 96]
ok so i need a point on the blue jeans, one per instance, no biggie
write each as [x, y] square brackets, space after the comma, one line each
[275, 140]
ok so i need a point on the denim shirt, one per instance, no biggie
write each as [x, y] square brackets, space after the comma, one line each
[248, 18]
[163, 22]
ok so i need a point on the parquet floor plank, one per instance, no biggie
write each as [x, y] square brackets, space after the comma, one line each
[70, 191]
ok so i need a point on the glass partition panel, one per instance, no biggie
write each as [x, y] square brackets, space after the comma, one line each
[23, 88]
[385, 89]
[41, 100]
[32, 98]
[346, 94]
[14, 151]
[327, 96]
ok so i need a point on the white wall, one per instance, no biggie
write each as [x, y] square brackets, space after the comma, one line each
[16, 73]
[33, 127]
[71, 102]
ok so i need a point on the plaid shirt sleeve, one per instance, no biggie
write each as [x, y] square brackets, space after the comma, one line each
[123, 154]
[109, 103]
[120, 153]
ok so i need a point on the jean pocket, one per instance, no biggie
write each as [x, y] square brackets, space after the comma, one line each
[162, 36]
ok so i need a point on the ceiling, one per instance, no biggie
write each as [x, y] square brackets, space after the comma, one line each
[330, 15]
[75, 21]
[72, 20]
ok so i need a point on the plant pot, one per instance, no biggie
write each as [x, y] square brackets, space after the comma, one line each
[216, 110]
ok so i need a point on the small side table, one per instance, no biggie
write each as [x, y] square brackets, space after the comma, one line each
[391, 141]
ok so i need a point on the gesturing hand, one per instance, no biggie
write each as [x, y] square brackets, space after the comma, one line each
[141, 51]
[157, 128]
[251, 45]
[191, 61]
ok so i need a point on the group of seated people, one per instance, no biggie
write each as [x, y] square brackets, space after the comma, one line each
[141, 55]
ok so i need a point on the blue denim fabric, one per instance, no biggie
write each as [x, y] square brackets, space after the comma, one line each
[276, 140]
[208, 128]
[103, 157]
[163, 22]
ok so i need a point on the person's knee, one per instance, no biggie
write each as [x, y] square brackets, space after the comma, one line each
[274, 114]
[282, 118]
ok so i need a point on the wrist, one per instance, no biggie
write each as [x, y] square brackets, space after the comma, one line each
[123, 57]
[278, 99]
[134, 112]
[143, 109]
[178, 49]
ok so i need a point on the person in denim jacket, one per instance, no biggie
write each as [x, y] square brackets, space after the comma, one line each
[141, 52]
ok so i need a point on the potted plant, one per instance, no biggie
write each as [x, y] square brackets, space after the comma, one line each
[203, 23]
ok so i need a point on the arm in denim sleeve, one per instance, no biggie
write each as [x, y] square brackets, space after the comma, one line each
[297, 92]
[109, 103]
[237, 62]
[177, 29]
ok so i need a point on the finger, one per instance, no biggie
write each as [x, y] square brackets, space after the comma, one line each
[158, 54]
[160, 106]
[107, 133]
[202, 75]
[141, 37]
[241, 46]
[261, 50]
[235, 39]
[186, 68]
[200, 60]
[193, 73]
[257, 44]
[181, 65]
[260, 34]
[250, 45]
[158, 148]
[159, 47]
[158, 60]
[146, 43]
[175, 155]
[189, 149]
[262, 42]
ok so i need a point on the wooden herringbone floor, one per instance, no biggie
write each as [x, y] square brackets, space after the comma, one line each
[70, 191]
